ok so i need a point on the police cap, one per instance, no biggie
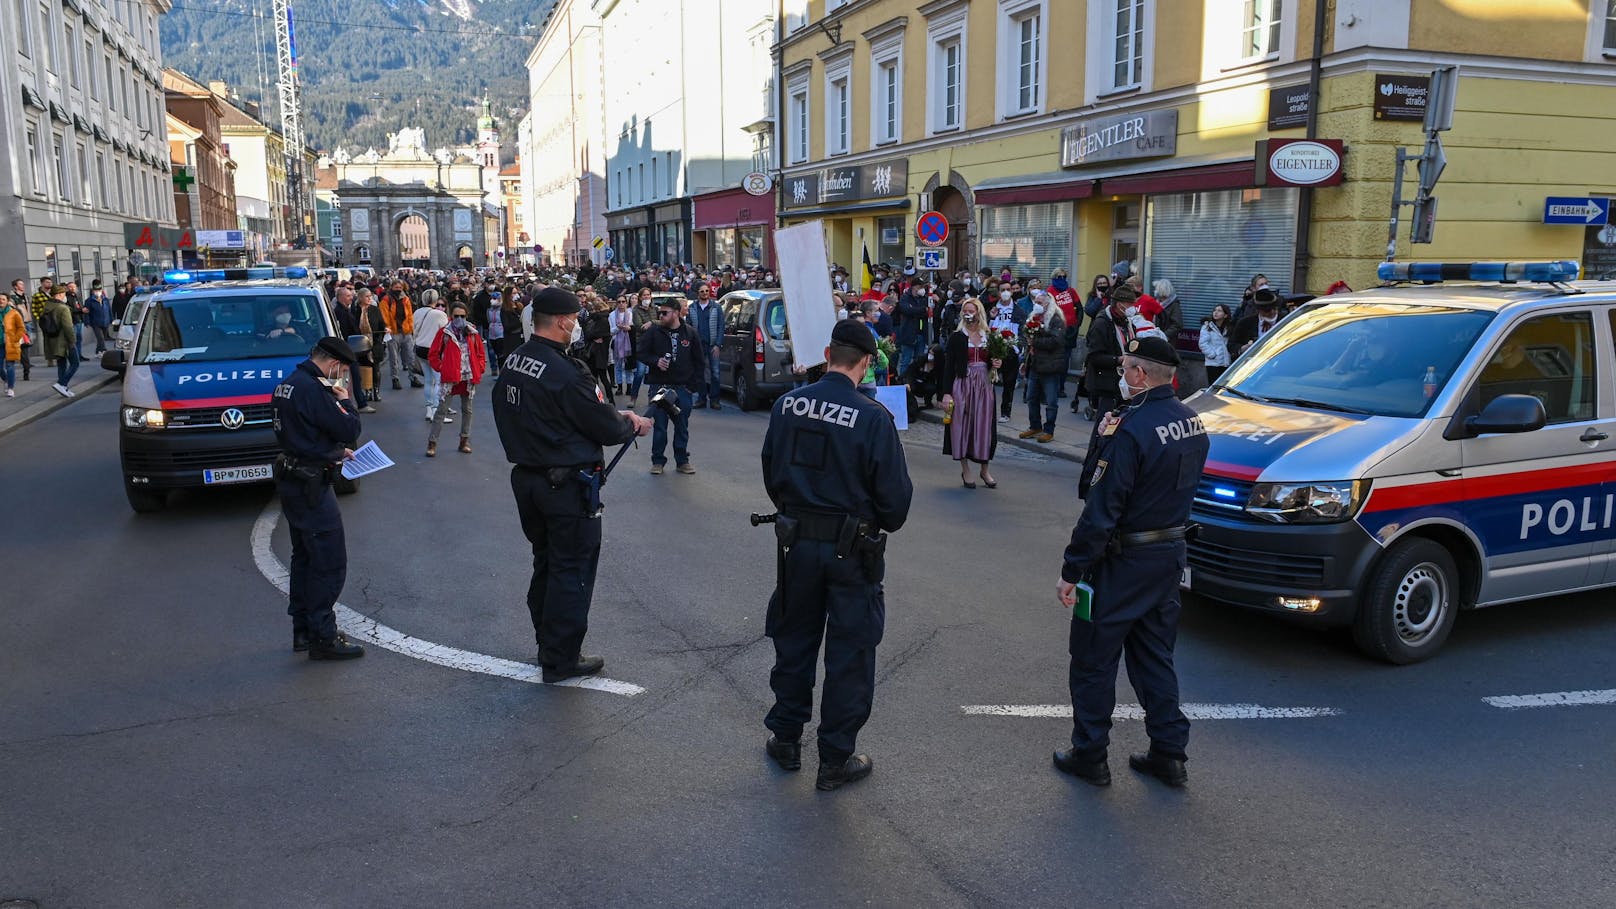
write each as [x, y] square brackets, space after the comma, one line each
[555, 301]
[337, 349]
[855, 334]
[1264, 298]
[1154, 349]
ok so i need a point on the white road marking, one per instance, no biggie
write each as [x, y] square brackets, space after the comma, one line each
[371, 631]
[1135, 712]
[1553, 699]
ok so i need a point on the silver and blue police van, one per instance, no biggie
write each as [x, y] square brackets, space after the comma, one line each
[207, 350]
[1389, 458]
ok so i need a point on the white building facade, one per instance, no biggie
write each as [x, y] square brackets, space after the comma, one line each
[564, 150]
[677, 115]
[83, 136]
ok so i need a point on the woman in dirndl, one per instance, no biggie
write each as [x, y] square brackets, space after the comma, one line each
[972, 433]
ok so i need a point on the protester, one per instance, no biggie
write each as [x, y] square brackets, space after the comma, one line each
[1045, 366]
[1215, 342]
[12, 334]
[457, 356]
[56, 321]
[971, 434]
[98, 308]
[429, 319]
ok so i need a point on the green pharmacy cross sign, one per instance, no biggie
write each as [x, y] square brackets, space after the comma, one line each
[183, 179]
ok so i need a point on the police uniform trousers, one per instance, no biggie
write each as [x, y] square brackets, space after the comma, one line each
[566, 548]
[830, 600]
[1135, 612]
[319, 558]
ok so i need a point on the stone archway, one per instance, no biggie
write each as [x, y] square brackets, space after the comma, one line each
[412, 234]
[465, 256]
[956, 202]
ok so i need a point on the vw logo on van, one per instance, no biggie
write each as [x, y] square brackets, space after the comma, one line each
[232, 418]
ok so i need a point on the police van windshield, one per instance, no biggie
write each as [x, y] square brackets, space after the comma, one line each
[194, 329]
[1381, 359]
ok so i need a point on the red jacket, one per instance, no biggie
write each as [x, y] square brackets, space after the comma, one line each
[445, 356]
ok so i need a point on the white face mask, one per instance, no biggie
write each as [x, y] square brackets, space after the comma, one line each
[283, 319]
[1004, 295]
[1128, 391]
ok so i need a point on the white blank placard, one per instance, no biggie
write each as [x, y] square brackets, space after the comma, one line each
[805, 284]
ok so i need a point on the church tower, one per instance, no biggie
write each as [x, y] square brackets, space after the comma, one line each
[488, 147]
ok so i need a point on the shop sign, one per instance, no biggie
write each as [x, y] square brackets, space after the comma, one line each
[1401, 97]
[222, 239]
[1288, 107]
[758, 183]
[1599, 253]
[852, 183]
[1299, 162]
[1153, 134]
[147, 235]
[636, 218]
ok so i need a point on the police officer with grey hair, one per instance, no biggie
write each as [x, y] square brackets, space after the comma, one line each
[835, 470]
[317, 424]
[1129, 547]
[553, 420]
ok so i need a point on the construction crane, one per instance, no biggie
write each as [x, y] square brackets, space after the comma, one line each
[291, 117]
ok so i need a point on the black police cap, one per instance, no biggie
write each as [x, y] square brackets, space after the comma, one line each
[853, 333]
[337, 349]
[1154, 349]
[555, 301]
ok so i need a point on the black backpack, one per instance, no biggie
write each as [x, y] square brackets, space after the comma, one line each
[49, 325]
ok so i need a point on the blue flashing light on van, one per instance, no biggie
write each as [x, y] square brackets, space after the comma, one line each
[1502, 272]
[261, 273]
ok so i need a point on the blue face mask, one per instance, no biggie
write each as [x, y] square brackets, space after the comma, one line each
[459, 323]
[1058, 284]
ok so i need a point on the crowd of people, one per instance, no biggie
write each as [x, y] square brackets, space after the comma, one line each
[52, 317]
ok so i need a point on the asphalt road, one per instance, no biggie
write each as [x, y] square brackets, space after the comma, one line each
[163, 747]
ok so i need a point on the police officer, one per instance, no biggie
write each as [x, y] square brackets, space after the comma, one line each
[553, 419]
[1129, 545]
[317, 425]
[835, 470]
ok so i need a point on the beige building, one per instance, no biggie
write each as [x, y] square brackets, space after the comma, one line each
[1070, 134]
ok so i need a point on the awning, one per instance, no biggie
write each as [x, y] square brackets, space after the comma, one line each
[32, 98]
[1187, 174]
[81, 124]
[59, 113]
[1058, 187]
[100, 134]
[1233, 175]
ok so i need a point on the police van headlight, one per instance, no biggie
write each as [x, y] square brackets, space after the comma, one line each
[142, 418]
[1307, 503]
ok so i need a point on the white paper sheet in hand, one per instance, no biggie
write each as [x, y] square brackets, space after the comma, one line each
[366, 460]
[895, 399]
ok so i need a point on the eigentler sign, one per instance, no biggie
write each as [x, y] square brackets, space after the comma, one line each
[1119, 138]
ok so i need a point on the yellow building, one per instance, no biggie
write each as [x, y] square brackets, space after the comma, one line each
[1080, 133]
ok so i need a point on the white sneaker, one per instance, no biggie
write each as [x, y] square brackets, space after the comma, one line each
[453, 412]
[448, 419]
[70, 392]
[11, 393]
[61, 389]
[1003, 419]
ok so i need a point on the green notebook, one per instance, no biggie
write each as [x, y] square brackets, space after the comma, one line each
[1085, 602]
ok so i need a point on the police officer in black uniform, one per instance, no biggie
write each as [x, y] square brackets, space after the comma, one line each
[835, 470]
[317, 425]
[553, 419]
[1139, 481]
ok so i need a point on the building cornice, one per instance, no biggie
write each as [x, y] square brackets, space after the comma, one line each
[887, 29]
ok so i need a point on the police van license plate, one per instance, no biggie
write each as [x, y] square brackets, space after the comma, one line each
[1184, 579]
[237, 474]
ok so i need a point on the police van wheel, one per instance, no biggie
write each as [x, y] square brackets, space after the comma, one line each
[1409, 605]
[344, 486]
[146, 501]
[745, 396]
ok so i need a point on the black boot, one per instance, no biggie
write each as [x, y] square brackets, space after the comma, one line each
[836, 774]
[337, 648]
[397, 385]
[300, 640]
[1096, 771]
[584, 665]
[1169, 770]
[787, 754]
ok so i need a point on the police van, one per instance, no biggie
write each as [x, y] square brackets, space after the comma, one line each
[208, 349]
[1389, 458]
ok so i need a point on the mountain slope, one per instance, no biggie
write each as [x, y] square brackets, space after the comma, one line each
[369, 67]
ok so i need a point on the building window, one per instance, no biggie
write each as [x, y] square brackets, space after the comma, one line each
[946, 71]
[101, 179]
[1610, 27]
[85, 195]
[655, 181]
[642, 181]
[1128, 42]
[64, 172]
[35, 169]
[1259, 35]
[25, 42]
[886, 89]
[838, 103]
[667, 168]
[89, 61]
[1021, 56]
[797, 125]
[117, 177]
[70, 43]
[47, 46]
[112, 87]
[617, 183]
[123, 80]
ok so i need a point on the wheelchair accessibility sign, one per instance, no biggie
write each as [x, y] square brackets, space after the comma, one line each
[932, 259]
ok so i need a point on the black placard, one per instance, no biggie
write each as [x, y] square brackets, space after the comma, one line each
[1288, 107]
[1599, 252]
[1401, 97]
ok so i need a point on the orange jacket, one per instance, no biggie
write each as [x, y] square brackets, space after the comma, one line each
[400, 319]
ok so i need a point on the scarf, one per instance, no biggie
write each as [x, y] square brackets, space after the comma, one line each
[1059, 285]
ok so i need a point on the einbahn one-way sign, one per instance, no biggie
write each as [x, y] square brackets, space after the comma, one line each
[1583, 210]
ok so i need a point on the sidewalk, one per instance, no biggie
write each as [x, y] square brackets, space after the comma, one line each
[1071, 431]
[36, 398]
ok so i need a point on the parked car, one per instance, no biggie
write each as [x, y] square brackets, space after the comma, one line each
[756, 354]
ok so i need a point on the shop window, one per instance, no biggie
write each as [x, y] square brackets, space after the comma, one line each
[1030, 240]
[1210, 244]
[1021, 56]
[946, 73]
[750, 241]
[1259, 32]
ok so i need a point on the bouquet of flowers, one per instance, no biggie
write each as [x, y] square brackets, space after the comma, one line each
[889, 348]
[1000, 345]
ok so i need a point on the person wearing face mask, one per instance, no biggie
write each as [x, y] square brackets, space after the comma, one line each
[1108, 336]
[1129, 545]
[317, 427]
[281, 328]
[553, 421]
[677, 361]
[1008, 317]
[971, 434]
[457, 356]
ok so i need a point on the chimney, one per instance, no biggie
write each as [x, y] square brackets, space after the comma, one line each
[220, 88]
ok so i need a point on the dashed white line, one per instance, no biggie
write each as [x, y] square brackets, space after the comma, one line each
[1135, 712]
[1553, 699]
[370, 631]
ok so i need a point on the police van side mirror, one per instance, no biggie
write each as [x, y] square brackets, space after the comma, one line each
[114, 360]
[1508, 413]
